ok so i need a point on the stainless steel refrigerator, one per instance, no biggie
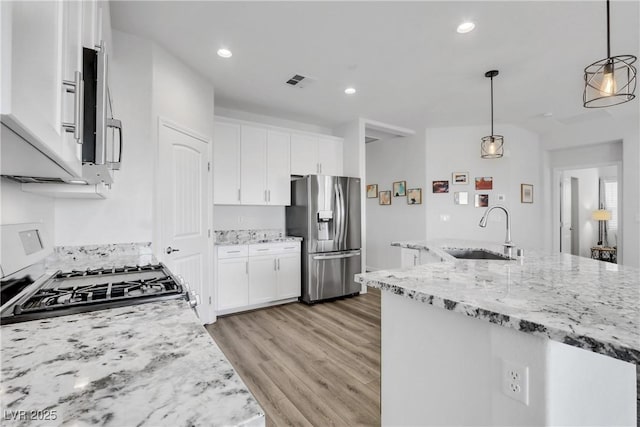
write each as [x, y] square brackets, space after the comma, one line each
[325, 212]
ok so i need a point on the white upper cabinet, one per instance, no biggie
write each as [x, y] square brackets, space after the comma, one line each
[278, 168]
[226, 164]
[304, 155]
[313, 155]
[330, 156]
[42, 47]
[253, 165]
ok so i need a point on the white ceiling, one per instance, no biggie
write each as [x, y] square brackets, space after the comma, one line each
[405, 58]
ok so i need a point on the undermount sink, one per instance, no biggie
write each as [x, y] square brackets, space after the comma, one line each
[476, 254]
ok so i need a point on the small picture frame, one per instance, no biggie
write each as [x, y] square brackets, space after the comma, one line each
[372, 191]
[482, 200]
[384, 197]
[526, 193]
[461, 198]
[460, 178]
[414, 196]
[440, 186]
[484, 183]
[399, 188]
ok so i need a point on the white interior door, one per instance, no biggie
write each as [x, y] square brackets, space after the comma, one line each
[184, 197]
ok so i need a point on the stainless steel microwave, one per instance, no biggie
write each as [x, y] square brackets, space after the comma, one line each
[101, 151]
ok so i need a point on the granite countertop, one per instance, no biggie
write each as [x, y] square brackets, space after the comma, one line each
[149, 364]
[253, 241]
[574, 300]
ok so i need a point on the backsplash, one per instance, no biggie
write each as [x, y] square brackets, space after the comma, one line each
[99, 256]
[247, 236]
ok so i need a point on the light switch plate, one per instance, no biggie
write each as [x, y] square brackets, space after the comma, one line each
[502, 197]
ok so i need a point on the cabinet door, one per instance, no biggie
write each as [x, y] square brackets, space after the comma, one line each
[262, 279]
[278, 168]
[330, 156]
[233, 283]
[226, 164]
[289, 277]
[253, 165]
[304, 155]
[40, 48]
[410, 257]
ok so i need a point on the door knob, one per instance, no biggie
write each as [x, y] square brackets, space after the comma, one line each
[170, 250]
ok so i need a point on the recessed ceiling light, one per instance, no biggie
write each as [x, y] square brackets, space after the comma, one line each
[466, 27]
[547, 114]
[350, 91]
[224, 53]
[77, 181]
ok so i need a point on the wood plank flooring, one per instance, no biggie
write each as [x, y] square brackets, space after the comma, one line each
[309, 365]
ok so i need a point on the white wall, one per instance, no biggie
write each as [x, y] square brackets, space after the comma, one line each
[587, 134]
[457, 149]
[588, 186]
[127, 216]
[248, 217]
[396, 159]
[17, 207]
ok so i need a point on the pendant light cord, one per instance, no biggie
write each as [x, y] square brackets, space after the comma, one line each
[491, 106]
[608, 33]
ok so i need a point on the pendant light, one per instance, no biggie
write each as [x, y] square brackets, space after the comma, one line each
[610, 81]
[492, 146]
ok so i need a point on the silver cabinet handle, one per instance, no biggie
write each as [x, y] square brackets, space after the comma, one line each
[170, 250]
[262, 250]
[77, 88]
[238, 194]
[415, 260]
[320, 167]
[268, 195]
[275, 264]
[246, 268]
[116, 124]
[233, 252]
[278, 263]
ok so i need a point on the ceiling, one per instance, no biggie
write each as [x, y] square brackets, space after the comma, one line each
[406, 60]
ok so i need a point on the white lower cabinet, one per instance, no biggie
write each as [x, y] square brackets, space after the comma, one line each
[233, 283]
[289, 277]
[252, 276]
[263, 279]
[409, 257]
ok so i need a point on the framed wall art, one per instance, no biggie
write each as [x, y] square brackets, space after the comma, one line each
[482, 200]
[400, 189]
[484, 183]
[440, 186]
[526, 193]
[460, 178]
[385, 197]
[414, 196]
[461, 198]
[372, 191]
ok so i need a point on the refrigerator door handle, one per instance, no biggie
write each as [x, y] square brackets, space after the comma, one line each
[343, 219]
[338, 225]
[337, 256]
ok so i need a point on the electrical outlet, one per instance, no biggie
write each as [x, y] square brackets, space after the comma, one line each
[240, 219]
[502, 198]
[515, 381]
[445, 217]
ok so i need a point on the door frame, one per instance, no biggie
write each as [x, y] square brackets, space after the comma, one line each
[158, 243]
[555, 200]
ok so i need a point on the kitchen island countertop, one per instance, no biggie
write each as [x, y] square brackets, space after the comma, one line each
[149, 364]
[574, 300]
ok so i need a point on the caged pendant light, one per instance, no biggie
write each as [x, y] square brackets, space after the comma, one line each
[492, 146]
[609, 81]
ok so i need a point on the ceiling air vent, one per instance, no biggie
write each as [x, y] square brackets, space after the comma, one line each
[299, 81]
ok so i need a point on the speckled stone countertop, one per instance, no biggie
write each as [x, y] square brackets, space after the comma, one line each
[578, 301]
[150, 364]
[258, 241]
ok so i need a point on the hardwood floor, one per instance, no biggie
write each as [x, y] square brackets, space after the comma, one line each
[309, 365]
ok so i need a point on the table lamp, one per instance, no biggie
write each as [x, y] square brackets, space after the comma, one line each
[602, 216]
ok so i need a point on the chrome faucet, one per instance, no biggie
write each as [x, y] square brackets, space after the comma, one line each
[508, 245]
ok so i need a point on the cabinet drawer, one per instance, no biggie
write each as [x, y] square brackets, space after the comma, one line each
[233, 251]
[274, 248]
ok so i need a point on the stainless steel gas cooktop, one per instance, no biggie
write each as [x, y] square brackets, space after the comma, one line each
[95, 289]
